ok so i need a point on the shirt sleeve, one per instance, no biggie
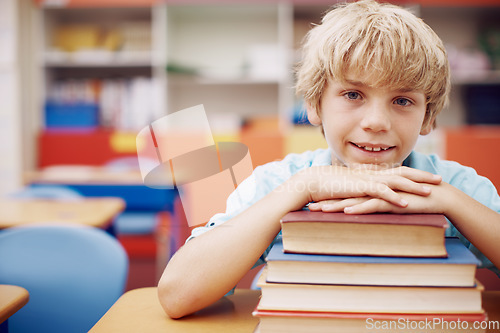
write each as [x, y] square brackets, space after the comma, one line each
[245, 195]
[262, 181]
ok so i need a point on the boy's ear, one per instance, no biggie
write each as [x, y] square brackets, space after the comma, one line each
[427, 126]
[313, 115]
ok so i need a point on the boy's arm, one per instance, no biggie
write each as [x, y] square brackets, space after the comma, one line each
[477, 222]
[210, 265]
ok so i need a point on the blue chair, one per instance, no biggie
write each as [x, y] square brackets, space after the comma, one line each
[73, 274]
[46, 192]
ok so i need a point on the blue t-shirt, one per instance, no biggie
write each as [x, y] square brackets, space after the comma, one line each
[267, 177]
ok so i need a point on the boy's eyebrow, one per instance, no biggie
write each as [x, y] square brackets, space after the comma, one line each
[360, 84]
[355, 83]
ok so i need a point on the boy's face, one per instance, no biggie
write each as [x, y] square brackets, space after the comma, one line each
[367, 125]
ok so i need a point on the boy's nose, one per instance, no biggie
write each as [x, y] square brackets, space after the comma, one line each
[376, 118]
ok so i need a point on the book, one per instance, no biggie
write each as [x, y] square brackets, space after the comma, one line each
[458, 269]
[412, 235]
[370, 299]
[343, 322]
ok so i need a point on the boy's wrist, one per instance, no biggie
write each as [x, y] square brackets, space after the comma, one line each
[296, 190]
[444, 198]
[451, 199]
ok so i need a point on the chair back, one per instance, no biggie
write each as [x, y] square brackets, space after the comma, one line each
[73, 274]
[46, 192]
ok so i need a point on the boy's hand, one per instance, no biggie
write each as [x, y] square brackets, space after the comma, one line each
[435, 203]
[326, 185]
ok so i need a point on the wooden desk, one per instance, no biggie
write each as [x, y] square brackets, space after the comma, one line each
[95, 212]
[12, 298]
[140, 311]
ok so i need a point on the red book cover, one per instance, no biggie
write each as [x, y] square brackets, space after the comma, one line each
[469, 317]
[432, 220]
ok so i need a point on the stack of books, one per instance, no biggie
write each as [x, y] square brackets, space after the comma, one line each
[334, 272]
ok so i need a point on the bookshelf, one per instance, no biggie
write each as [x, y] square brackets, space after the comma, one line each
[230, 76]
[101, 67]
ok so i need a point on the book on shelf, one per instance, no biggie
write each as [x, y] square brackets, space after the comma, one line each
[371, 299]
[458, 269]
[344, 322]
[411, 235]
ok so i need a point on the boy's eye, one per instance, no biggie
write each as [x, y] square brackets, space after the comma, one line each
[402, 101]
[352, 95]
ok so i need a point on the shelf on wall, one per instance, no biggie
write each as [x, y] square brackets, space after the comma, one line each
[96, 3]
[227, 80]
[223, 39]
[98, 58]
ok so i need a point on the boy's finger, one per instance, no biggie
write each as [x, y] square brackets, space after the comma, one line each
[382, 191]
[318, 206]
[409, 186]
[340, 205]
[416, 175]
[368, 207]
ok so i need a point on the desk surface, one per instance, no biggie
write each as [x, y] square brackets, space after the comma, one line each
[95, 212]
[140, 311]
[12, 298]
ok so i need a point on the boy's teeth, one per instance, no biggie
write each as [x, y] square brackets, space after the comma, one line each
[372, 148]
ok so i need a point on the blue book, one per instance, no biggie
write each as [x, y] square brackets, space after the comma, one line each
[457, 270]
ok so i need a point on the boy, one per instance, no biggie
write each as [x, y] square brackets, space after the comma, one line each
[374, 77]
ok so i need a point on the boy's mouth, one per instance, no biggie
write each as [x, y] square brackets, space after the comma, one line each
[372, 148]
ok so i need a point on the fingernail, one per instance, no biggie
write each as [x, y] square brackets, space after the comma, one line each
[348, 210]
[426, 189]
[404, 203]
[313, 205]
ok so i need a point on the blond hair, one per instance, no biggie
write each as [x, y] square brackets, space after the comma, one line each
[386, 42]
